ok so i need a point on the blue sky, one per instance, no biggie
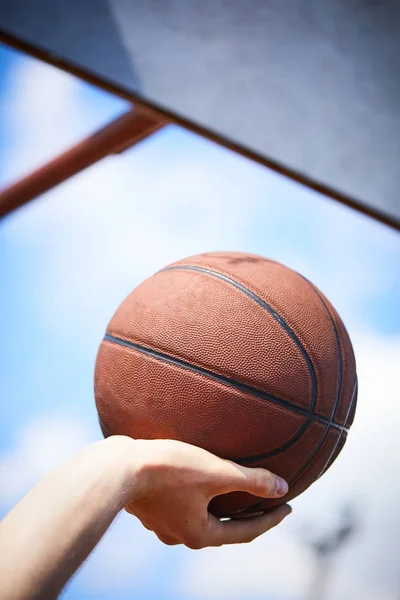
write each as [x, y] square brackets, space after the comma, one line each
[69, 258]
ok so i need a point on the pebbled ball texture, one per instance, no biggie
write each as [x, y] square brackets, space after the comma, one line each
[239, 355]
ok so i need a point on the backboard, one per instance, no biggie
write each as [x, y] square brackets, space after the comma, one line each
[310, 88]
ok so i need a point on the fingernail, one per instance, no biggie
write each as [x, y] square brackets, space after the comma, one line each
[286, 510]
[281, 487]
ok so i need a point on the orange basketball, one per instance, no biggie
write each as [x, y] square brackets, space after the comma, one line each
[236, 354]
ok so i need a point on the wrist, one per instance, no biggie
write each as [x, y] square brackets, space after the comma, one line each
[125, 460]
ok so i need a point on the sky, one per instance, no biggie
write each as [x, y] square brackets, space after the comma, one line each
[69, 258]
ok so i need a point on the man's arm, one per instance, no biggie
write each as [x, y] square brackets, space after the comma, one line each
[166, 484]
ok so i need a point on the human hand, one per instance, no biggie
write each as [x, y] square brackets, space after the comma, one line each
[166, 484]
[174, 484]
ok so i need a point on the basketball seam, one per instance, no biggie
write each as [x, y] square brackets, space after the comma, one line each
[353, 397]
[103, 428]
[253, 296]
[151, 353]
[314, 454]
[339, 387]
[274, 313]
[217, 377]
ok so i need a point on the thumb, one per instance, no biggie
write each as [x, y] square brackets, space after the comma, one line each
[255, 481]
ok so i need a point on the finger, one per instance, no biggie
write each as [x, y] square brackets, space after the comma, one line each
[167, 540]
[259, 482]
[246, 530]
[251, 515]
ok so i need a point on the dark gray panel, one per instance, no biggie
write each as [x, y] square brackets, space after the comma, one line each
[81, 31]
[314, 84]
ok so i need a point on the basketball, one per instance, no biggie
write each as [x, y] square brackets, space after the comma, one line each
[239, 355]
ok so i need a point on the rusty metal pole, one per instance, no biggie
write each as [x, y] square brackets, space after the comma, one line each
[115, 137]
[326, 549]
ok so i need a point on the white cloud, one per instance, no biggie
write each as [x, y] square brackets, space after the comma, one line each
[46, 112]
[42, 116]
[104, 230]
[39, 446]
[262, 569]
[120, 559]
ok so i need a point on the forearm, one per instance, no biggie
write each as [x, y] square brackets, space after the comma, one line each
[54, 528]
[165, 483]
